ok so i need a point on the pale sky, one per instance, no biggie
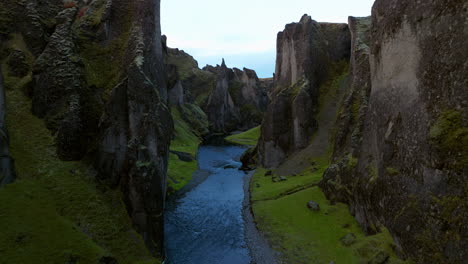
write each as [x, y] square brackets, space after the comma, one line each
[244, 31]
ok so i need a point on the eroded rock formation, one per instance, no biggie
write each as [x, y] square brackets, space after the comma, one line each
[99, 82]
[305, 52]
[222, 113]
[401, 155]
[232, 99]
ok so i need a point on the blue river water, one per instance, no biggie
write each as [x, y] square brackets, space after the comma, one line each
[205, 225]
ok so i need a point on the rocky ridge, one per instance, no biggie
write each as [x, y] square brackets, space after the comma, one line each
[399, 166]
[232, 99]
[113, 112]
[399, 143]
[305, 53]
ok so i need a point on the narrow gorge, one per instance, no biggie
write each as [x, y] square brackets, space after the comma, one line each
[118, 148]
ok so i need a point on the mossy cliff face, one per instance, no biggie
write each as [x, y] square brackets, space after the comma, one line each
[305, 51]
[398, 165]
[232, 99]
[95, 73]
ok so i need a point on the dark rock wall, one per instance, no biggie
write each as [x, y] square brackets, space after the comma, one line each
[305, 51]
[136, 128]
[232, 99]
[99, 82]
[220, 108]
[404, 160]
[7, 169]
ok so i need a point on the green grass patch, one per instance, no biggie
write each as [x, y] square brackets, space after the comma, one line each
[249, 137]
[304, 236]
[185, 140]
[56, 209]
[264, 188]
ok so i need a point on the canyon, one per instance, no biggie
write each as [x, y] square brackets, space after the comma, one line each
[359, 142]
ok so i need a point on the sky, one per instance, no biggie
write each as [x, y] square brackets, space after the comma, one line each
[243, 32]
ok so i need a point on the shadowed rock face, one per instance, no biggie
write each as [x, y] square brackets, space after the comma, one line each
[232, 99]
[220, 108]
[305, 51]
[403, 161]
[7, 170]
[99, 83]
[136, 128]
[57, 93]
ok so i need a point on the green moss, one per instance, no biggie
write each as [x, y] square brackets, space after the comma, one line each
[352, 161]
[303, 236]
[185, 140]
[196, 118]
[103, 61]
[392, 171]
[373, 173]
[186, 64]
[103, 67]
[249, 137]
[329, 90]
[235, 90]
[58, 206]
[6, 19]
[450, 137]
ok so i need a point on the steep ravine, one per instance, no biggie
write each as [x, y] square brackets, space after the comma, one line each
[360, 140]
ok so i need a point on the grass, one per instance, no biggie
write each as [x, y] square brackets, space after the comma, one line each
[263, 188]
[249, 137]
[180, 172]
[303, 236]
[56, 211]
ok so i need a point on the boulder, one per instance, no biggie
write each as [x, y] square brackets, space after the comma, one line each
[348, 239]
[313, 206]
[183, 156]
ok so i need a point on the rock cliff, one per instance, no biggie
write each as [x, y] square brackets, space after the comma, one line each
[135, 130]
[305, 53]
[400, 158]
[232, 99]
[96, 75]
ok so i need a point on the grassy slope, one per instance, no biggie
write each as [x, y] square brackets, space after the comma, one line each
[55, 211]
[303, 236]
[249, 137]
[180, 172]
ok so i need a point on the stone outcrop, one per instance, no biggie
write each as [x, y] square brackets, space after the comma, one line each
[59, 89]
[7, 169]
[305, 52]
[232, 99]
[401, 154]
[100, 84]
[136, 128]
[220, 108]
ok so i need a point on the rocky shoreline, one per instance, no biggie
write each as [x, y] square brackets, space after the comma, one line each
[259, 248]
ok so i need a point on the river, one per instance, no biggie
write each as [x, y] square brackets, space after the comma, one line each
[205, 225]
